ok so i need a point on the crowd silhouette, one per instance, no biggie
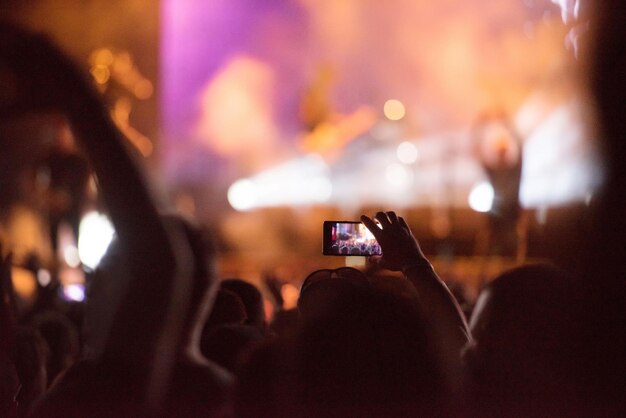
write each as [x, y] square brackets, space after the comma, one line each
[161, 335]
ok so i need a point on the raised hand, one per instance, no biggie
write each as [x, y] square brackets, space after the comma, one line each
[400, 247]
[401, 252]
[147, 325]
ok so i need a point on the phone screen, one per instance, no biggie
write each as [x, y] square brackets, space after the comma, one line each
[349, 238]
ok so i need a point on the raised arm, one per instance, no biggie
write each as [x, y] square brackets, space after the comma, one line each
[42, 78]
[146, 327]
[401, 252]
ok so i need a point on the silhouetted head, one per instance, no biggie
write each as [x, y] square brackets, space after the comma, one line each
[328, 283]
[251, 298]
[227, 343]
[523, 329]
[228, 309]
[362, 349]
[325, 291]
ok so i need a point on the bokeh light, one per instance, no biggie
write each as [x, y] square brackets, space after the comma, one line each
[394, 109]
[398, 176]
[71, 257]
[242, 195]
[95, 235]
[481, 197]
[74, 292]
[300, 181]
[407, 152]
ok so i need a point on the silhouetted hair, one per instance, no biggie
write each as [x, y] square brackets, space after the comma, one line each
[227, 309]
[251, 297]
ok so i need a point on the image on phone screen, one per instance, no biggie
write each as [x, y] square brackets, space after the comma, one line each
[349, 238]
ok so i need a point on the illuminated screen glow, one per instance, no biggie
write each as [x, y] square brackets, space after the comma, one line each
[352, 239]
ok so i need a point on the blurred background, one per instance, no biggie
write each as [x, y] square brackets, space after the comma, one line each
[263, 119]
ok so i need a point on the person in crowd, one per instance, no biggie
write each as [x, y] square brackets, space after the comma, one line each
[500, 150]
[197, 387]
[228, 344]
[521, 359]
[603, 311]
[228, 309]
[226, 335]
[597, 34]
[284, 321]
[367, 344]
[151, 321]
[252, 299]
[401, 252]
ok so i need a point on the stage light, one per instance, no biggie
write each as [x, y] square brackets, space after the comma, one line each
[321, 189]
[301, 181]
[394, 109]
[44, 277]
[407, 152]
[481, 197]
[74, 292]
[242, 195]
[398, 175]
[561, 165]
[70, 255]
[95, 235]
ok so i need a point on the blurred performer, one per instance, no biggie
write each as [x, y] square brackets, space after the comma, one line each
[327, 131]
[500, 152]
[64, 173]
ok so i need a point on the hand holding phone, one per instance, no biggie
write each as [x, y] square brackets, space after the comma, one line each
[349, 238]
[401, 249]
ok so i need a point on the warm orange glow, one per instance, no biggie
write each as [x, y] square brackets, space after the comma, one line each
[143, 89]
[499, 147]
[108, 65]
[102, 56]
[23, 234]
[100, 73]
[394, 109]
[237, 116]
[121, 114]
[24, 283]
[328, 138]
[123, 63]
[290, 295]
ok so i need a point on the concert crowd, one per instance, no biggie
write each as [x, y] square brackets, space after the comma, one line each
[159, 334]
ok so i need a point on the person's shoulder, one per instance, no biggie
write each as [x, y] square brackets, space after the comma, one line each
[199, 390]
[90, 386]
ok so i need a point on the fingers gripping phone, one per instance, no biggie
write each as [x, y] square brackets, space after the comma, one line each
[349, 238]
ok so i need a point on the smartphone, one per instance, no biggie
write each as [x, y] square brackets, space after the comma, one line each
[349, 238]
